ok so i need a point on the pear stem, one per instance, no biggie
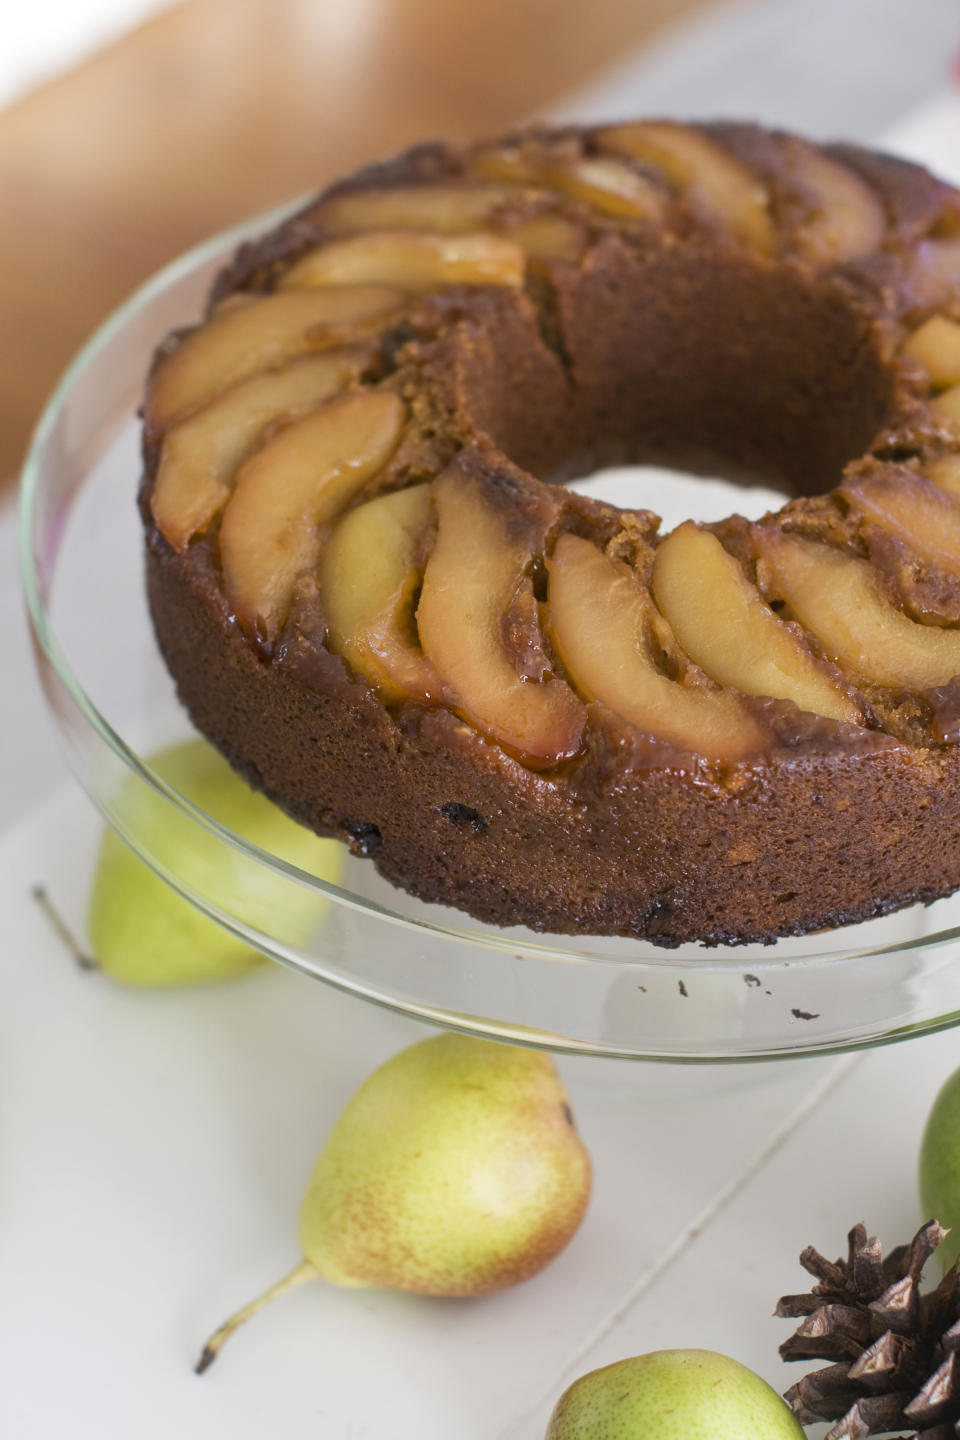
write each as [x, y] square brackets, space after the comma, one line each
[82, 956]
[304, 1271]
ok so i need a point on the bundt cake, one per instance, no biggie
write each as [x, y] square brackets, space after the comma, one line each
[379, 600]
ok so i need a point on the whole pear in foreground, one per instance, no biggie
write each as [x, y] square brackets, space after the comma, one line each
[673, 1395]
[455, 1169]
[143, 932]
[940, 1167]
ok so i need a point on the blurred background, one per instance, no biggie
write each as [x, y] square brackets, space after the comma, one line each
[131, 128]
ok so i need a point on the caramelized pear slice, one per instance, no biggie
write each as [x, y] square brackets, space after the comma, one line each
[452, 210]
[718, 183]
[721, 622]
[935, 346]
[478, 620]
[603, 184]
[413, 260]
[600, 621]
[611, 188]
[546, 237]
[201, 455]
[947, 405]
[241, 340]
[370, 572]
[945, 473]
[934, 273]
[847, 220]
[443, 209]
[838, 599]
[911, 508]
[272, 527]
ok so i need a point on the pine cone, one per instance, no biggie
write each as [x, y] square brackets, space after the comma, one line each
[896, 1352]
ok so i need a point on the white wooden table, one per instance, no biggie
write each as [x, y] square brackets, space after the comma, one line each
[154, 1147]
[153, 1150]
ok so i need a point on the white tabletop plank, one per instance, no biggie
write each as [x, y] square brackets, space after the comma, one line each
[852, 1158]
[154, 1148]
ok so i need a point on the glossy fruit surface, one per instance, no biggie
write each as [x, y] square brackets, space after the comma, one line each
[940, 1168]
[673, 1395]
[455, 1169]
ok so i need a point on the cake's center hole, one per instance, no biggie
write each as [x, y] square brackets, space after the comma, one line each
[702, 363]
[677, 495]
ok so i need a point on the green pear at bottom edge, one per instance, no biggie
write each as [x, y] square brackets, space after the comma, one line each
[940, 1168]
[673, 1395]
[455, 1169]
[143, 932]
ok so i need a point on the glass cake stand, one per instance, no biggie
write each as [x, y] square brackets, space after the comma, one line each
[114, 703]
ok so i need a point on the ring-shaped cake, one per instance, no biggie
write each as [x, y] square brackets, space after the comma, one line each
[379, 600]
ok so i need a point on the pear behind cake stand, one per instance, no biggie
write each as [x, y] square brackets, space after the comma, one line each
[114, 703]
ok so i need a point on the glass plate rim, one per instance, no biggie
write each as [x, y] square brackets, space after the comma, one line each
[220, 245]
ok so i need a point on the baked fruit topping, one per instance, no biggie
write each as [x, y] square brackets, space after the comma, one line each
[933, 273]
[479, 623]
[935, 347]
[202, 454]
[284, 496]
[608, 636]
[947, 407]
[263, 335]
[605, 184]
[457, 210]
[444, 209]
[844, 218]
[945, 472]
[371, 571]
[410, 259]
[705, 174]
[547, 237]
[722, 622]
[838, 599]
[378, 598]
[911, 508]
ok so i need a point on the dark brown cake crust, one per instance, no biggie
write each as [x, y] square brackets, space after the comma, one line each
[684, 349]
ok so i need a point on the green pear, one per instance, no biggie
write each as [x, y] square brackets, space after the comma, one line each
[940, 1168]
[673, 1395]
[455, 1169]
[144, 933]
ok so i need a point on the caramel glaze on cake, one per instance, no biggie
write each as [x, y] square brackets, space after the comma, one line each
[532, 705]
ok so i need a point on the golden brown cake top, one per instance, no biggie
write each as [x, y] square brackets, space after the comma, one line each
[351, 439]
